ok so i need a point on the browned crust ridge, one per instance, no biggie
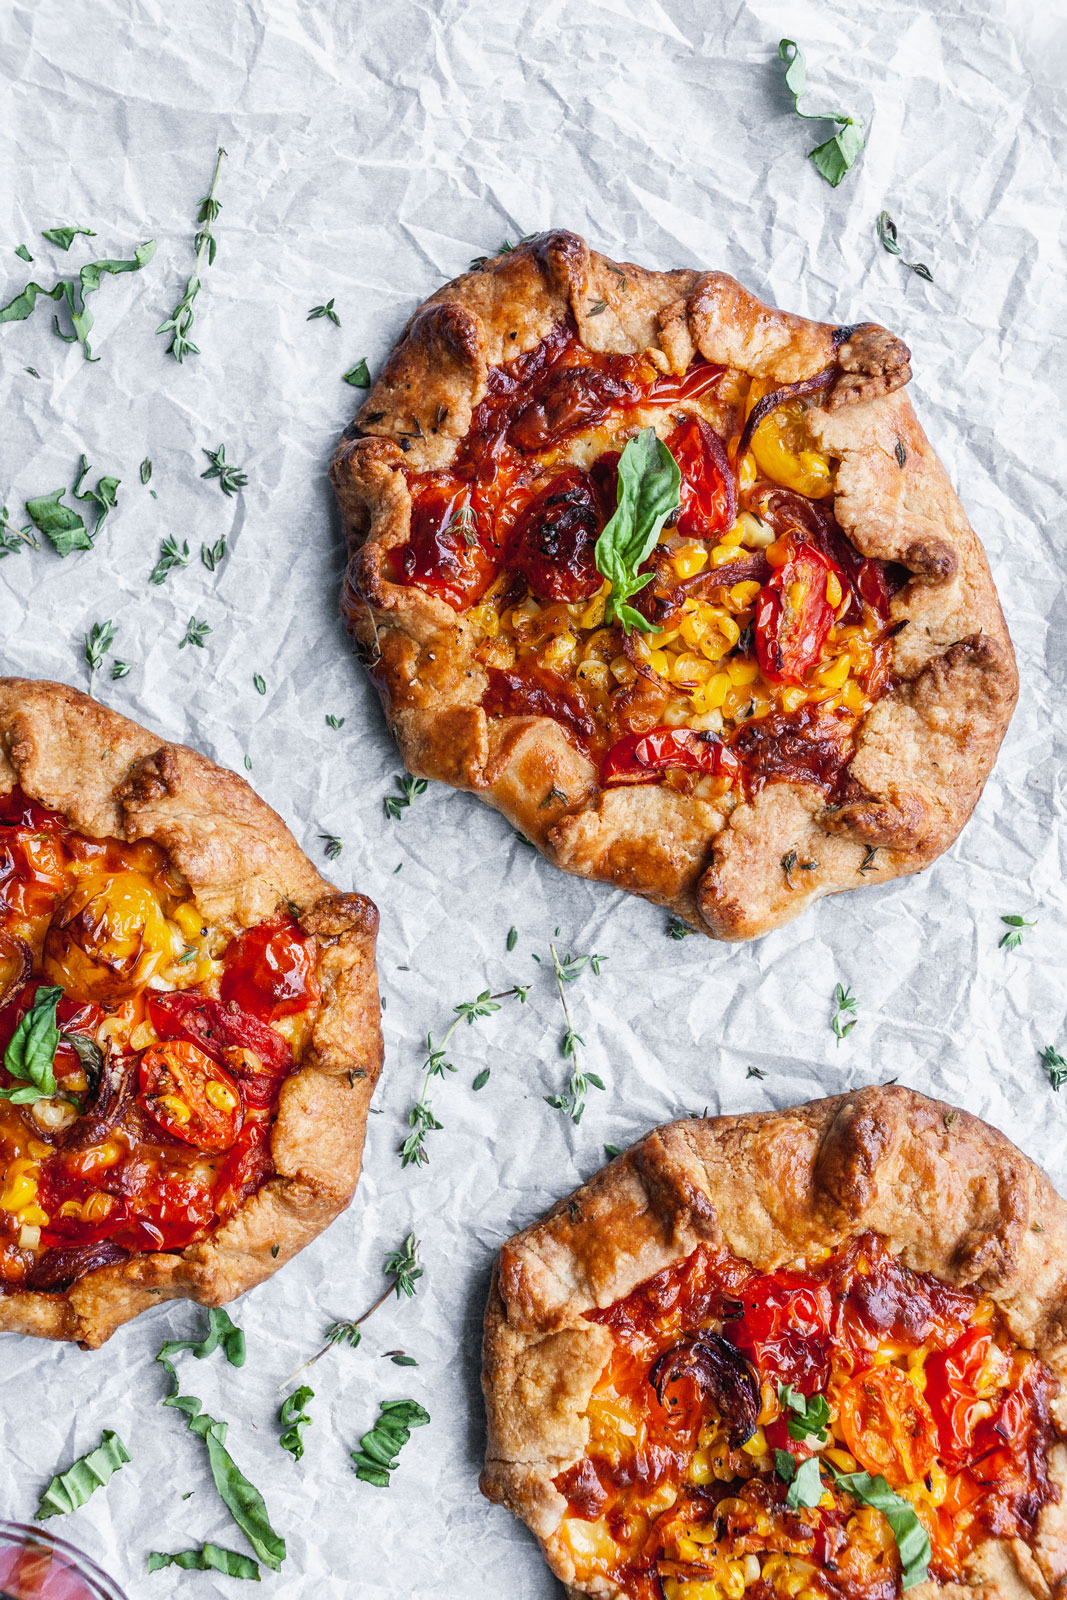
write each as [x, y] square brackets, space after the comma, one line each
[113, 778]
[948, 1193]
[924, 751]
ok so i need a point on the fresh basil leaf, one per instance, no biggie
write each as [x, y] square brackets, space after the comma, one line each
[379, 1450]
[71, 1489]
[812, 1415]
[649, 490]
[294, 1419]
[839, 153]
[31, 1054]
[240, 1497]
[805, 1483]
[221, 1331]
[64, 237]
[912, 1539]
[359, 375]
[88, 1051]
[19, 309]
[209, 1558]
[59, 523]
[104, 496]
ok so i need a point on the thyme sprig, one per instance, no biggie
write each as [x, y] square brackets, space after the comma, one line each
[171, 555]
[887, 235]
[180, 321]
[98, 642]
[409, 787]
[1014, 936]
[324, 311]
[12, 539]
[844, 1007]
[1055, 1065]
[196, 631]
[572, 1101]
[403, 1269]
[231, 479]
[421, 1119]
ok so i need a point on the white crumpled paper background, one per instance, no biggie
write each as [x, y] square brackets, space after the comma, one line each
[372, 150]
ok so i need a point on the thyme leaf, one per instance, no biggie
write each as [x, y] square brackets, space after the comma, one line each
[170, 556]
[1014, 936]
[332, 846]
[231, 479]
[409, 787]
[212, 554]
[421, 1119]
[195, 633]
[324, 311]
[179, 323]
[887, 237]
[403, 1268]
[1055, 1065]
[844, 1006]
[572, 1101]
[98, 642]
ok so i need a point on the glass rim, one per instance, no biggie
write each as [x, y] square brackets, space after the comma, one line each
[106, 1588]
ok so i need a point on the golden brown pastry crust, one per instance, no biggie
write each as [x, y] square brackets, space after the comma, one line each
[922, 754]
[113, 778]
[948, 1193]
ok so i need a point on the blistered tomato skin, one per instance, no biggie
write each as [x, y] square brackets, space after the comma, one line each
[444, 554]
[107, 938]
[190, 1097]
[648, 757]
[268, 971]
[794, 614]
[709, 488]
[554, 539]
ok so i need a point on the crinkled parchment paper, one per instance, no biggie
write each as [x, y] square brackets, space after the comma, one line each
[372, 150]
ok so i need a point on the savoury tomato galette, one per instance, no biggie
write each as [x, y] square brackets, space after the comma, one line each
[815, 1353]
[189, 1025]
[675, 581]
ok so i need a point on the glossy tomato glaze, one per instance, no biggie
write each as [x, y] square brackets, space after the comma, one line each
[506, 535]
[924, 1386]
[160, 1128]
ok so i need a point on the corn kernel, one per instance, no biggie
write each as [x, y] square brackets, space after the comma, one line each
[727, 627]
[560, 652]
[840, 1458]
[689, 669]
[733, 535]
[39, 1150]
[221, 1098]
[596, 674]
[175, 1108]
[833, 590]
[33, 1216]
[29, 1237]
[97, 1207]
[659, 661]
[622, 670]
[755, 532]
[694, 629]
[189, 920]
[710, 695]
[70, 1208]
[747, 473]
[742, 671]
[834, 674]
[778, 553]
[706, 721]
[700, 1467]
[143, 1036]
[677, 714]
[722, 553]
[19, 1190]
[689, 560]
[757, 1445]
[742, 595]
[853, 698]
[794, 697]
[796, 592]
[599, 646]
[752, 1568]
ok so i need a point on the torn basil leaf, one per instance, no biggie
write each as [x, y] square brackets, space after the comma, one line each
[649, 490]
[71, 1489]
[834, 158]
[294, 1419]
[64, 237]
[74, 292]
[60, 524]
[31, 1054]
[209, 1558]
[912, 1539]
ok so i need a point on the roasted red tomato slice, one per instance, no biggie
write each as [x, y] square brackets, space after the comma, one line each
[794, 613]
[251, 1049]
[709, 489]
[190, 1096]
[268, 971]
[645, 757]
[952, 1390]
[888, 1425]
[444, 553]
[555, 536]
[784, 1328]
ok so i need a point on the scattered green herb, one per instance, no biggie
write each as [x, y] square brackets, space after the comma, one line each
[512, 938]
[31, 1053]
[294, 1419]
[553, 797]
[421, 1119]
[611, 1151]
[212, 554]
[71, 1489]
[464, 521]
[180, 321]
[98, 642]
[119, 669]
[572, 1101]
[209, 1558]
[60, 524]
[1055, 1065]
[64, 236]
[231, 479]
[867, 864]
[901, 453]
[811, 1413]
[242, 1499]
[834, 158]
[887, 235]
[399, 1359]
[677, 929]
[913, 1542]
[332, 846]
[379, 1449]
[755, 1072]
[12, 539]
[74, 293]
[409, 787]
[146, 470]
[248, 763]
[22, 252]
[403, 1269]
[170, 556]
[324, 311]
[359, 375]
[195, 633]
[844, 1006]
[649, 490]
[805, 1483]
[260, 683]
[1014, 936]
[334, 722]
